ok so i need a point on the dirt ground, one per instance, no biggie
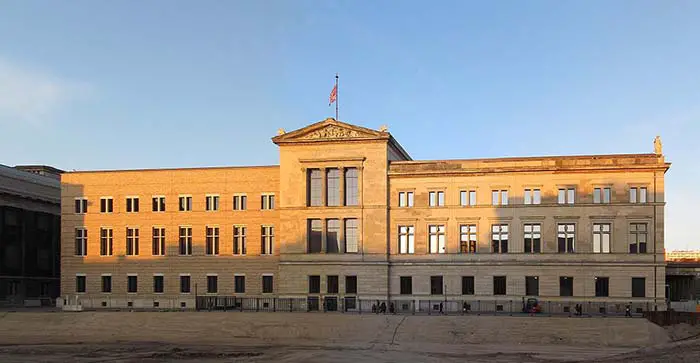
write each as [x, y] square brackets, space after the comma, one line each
[311, 337]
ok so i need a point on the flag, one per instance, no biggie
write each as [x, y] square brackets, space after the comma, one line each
[334, 95]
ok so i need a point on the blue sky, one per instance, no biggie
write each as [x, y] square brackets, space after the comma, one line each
[162, 83]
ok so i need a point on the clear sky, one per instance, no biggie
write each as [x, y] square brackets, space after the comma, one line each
[163, 83]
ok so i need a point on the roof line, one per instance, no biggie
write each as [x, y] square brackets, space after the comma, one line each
[515, 158]
[173, 169]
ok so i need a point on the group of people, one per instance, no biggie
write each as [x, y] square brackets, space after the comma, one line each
[380, 308]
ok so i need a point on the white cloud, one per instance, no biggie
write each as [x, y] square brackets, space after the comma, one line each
[32, 97]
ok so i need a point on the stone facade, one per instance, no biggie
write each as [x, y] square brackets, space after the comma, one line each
[384, 172]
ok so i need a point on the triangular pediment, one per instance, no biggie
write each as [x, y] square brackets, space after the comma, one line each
[329, 130]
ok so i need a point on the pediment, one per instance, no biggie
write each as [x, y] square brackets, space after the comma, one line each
[329, 130]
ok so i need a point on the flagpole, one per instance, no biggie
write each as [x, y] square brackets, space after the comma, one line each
[336, 96]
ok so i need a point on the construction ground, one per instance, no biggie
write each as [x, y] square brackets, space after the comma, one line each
[304, 337]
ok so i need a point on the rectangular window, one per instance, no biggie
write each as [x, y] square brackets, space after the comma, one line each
[158, 204]
[499, 197]
[106, 205]
[638, 195]
[467, 198]
[332, 236]
[158, 284]
[351, 285]
[332, 187]
[638, 287]
[435, 285]
[132, 284]
[185, 241]
[314, 284]
[406, 239]
[132, 241]
[532, 233]
[437, 199]
[81, 237]
[268, 240]
[185, 203]
[352, 196]
[106, 239]
[81, 205]
[212, 203]
[532, 285]
[638, 238]
[436, 238]
[240, 202]
[467, 285]
[601, 195]
[239, 284]
[158, 241]
[406, 285]
[601, 286]
[315, 183]
[566, 286]
[185, 284]
[467, 238]
[601, 237]
[239, 245]
[132, 204]
[80, 283]
[533, 196]
[351, 236]
[499, 285]
[499, 238]
[566, 196]
[315, 235]
[267, 201]
[106, 283]
[212, 239]
[267, 284]
[566, 237]
[212, 284]
[406, 199]
[332, 284]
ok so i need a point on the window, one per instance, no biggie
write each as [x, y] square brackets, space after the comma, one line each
[239, 284]
[315, 183]
[533, 196]
[435, 285]
[184, 284]
[106, 283]
[566, 286]
[601, 286]
[566, 237]
[106, 205]
[532, 285]
[158, 203]
[240, 202]
[351, 284]
[467, 285]
[185, 203]
[406, 239]
[467, 198]
[499, 197]
[638, 238]
[332, 284]
[80, 284]
[406, 199]
[437, 199]
[532, 233]
[212, 237]
[81, 237]
[267, 286]
[212, 202]
[106, 236]
[239, 247]
[268, 238]
[499, 238]
[499, 285]
[132, 204]
[351, 187]
[185, 241]
[566, 196]
[332, 187]
[267, 201]
[315, 234]
[81, 205]
[467, 238]
[601, 195]
[314, 284]
[212, 284]
[638, 287]
[158, 241]
[132, 241]
[351, 240]
[132, 284]
[436, 238]
[332, 236]
[601, 237]
[406, 285]
[158, 284]
[638, 195]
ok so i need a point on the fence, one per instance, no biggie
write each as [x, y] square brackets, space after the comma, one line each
[665, 318]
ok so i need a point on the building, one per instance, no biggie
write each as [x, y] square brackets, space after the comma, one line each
[349, 214]
[29, 236]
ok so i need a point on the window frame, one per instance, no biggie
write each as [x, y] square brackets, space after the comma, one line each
[267, 201]
[532, 239]
[567, 237]
[81, 242]
[212, 202]
[106, 288]
[128, 283]
[601, 233]
[410, 239]
[347, 235]
[468, 285]
[212, 284]
[466, 243]
[496, 287]
[81, 205]
[312, 232]
[602, 286]
[351, 194]
[156, 277]
[187, 205]
[536, 284]
[239, 240]
[187, 241]
[106, 205]
[264, 287]
[158, 241]
[158, 204]
[267, 238]
[437, 291]
[106, 241]
[239, 283]
[132, 204]
[212, 234]
[500, 233]
[239, 202]
[132, 241]
[637, 233]
[409, 199]
[405, 285]
[569, 195]
[440, 230]
[532, 196]
[436, 198]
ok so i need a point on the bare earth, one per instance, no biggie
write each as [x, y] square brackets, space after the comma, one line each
[318, 337]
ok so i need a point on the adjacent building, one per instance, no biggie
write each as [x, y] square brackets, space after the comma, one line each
[348, 214]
